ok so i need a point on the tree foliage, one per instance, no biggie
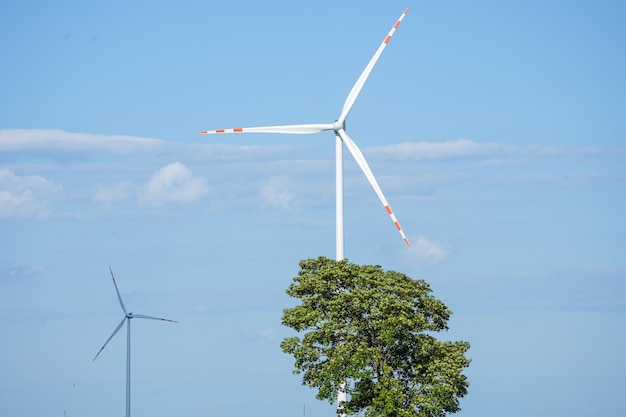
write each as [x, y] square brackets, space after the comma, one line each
[373, 330]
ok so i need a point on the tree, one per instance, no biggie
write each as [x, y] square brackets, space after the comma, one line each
[373, 330]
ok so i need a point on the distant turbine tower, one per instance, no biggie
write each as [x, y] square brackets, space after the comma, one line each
[127, 317]
[341, 137]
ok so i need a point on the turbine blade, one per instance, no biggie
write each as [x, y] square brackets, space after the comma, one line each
[360, 160]
[119, 326]
[291, 129]
[356, 89]
[141, 316]
[118, 291]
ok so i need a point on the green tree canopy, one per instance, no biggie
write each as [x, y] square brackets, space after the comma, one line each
[373, 330]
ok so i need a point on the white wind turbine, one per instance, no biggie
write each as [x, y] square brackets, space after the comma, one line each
[127, 317]
[341, 137]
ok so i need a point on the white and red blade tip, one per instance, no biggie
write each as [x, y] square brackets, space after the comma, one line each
[395, 221]
[388, 38]
[235, 130]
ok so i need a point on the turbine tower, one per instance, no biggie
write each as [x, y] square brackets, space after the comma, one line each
[127, 318]
[341, 138]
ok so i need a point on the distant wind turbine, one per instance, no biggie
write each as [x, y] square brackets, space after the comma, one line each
[341, 137]
[127, 317]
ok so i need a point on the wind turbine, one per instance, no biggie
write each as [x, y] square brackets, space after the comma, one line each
[341, 138]
[127, 317]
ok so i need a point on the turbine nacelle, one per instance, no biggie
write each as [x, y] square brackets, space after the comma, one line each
[339, 125]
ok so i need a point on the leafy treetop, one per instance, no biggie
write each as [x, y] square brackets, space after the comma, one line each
[373, 331]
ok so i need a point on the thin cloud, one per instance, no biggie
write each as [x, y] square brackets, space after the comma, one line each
[21, 140]
[429, 250]
[20, 272]
[569, 180]
[64, 146]
[117, 193]
[173, 183]
[274, 194]
[273, 176]
[46, 139]
[460, 148]
[30, 196]
[267, 335]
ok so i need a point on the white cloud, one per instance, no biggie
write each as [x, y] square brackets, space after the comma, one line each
[57, 140]
[173, 183]
[274, 193]
[281, 177]
[460, 148]
[46, 139]
[266, 334]
[20, 272]
[428, 250]
[114, 194]
[202, 308]
[26, 196]
[65, 146]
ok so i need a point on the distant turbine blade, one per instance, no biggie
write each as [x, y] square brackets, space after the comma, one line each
[291, 129]
[118, 291]
[356, 89]
[141, 316]
[360, 160]
[119, 326]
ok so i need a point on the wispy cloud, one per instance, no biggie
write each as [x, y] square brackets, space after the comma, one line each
[272, 176]
[274, 193]
[20, 272]
[33, 140]
[463, 148]
[569, 180]
[117, 193]
[45, 139]
[428, 250]
[460, 148]
[173, 183]
[28, 196]
[267, 335]
[66, 146]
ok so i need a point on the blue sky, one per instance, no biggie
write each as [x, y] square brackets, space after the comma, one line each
[495, 129]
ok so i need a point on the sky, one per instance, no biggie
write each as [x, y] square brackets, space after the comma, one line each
[495, 129]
